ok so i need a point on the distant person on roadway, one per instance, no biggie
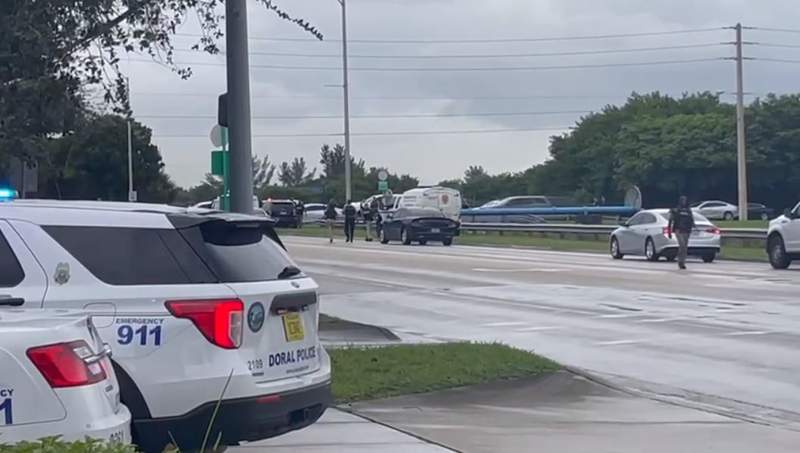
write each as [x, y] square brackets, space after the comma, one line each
[681, 222]
[349, 221]
[330, 218]
[370, 215]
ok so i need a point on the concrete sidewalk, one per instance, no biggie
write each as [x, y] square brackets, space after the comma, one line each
[566, 413]
[339, 431]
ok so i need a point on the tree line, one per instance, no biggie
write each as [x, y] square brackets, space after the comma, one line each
[667, 147]
[294, 179]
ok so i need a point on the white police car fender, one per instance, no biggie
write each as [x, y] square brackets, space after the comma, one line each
[56, 379]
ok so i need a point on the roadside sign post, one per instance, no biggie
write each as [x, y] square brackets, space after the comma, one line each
[220, 163]
[383, 183]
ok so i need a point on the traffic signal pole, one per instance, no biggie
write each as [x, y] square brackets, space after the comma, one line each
[238, 69]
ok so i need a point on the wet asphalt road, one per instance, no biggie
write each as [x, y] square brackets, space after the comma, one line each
[722, 337]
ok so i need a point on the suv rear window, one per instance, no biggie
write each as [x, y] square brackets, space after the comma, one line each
[11, 273]
[240, 254]
[133, 256]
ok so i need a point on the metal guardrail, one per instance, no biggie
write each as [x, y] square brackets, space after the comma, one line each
[727, 233]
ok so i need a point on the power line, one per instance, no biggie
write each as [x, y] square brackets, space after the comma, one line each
[786, 46]
[776, 60]
[777, 30]
[389, 98]
[388, 116]
[463, 69]
[486, 56]
[490, 40]
[382, 134]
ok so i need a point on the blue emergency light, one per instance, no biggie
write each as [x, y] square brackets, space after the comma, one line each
[7, 194]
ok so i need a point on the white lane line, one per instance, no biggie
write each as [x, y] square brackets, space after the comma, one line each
[620, 316]
[618, 342]
[538, 328]
[660, 320]
[529, 269]
[504, 324]
[748, 332]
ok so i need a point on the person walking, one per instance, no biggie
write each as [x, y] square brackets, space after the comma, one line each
[681, 222]
[349, 221]
[370, 215]
[330, 218]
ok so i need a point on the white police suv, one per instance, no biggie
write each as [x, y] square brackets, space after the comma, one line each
[56, 378]
[197, 307]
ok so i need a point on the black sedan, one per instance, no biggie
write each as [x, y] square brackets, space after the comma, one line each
[759, 211]
[418, 225]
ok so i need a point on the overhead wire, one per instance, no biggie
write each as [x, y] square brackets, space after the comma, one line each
[459, 69]
[483, 56]
[376, 116]
[387, 133]
[487, 40]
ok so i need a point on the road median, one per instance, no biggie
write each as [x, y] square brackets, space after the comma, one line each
[526, 240]
[367, 373]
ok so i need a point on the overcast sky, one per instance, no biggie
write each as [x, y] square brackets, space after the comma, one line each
[184, 140]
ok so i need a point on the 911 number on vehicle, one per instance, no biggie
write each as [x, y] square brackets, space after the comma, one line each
[6, 410]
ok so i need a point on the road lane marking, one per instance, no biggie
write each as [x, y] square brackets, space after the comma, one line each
[538, 328]
[742, 333]
[621, 316]
[529, 269]
[504, 324]
[660, 320]
[618, 342]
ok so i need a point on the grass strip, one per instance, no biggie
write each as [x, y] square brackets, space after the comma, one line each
[380, 372]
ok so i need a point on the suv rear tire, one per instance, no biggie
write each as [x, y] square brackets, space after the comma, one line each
[709, 258]
[776, 250]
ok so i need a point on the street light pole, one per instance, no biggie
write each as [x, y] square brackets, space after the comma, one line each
[741, 145]
[346, 87]
[238, 72]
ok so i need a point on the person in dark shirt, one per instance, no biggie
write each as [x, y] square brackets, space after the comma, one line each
[681, 222]
[330, 218]
[349, 221]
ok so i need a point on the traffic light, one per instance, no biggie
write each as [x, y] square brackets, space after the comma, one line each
[222, 110]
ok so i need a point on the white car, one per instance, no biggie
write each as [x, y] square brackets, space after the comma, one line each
[783, 239]
[56, 378]
[197, 307]
[315, 213]
[717, 210]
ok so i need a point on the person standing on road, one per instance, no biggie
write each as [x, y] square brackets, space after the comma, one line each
[330, 218]
[349, 221]
[370, 215]
[681, 222]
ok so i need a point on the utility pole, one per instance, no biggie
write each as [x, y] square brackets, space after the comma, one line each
[740, 130]
[238, 69]
[131, 193]
[346, 87]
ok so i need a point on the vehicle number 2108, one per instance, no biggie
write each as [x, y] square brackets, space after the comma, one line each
[143, 336]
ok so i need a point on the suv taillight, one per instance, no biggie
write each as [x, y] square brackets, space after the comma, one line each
[714, 230]
[219, 320]
[68, 364]
[667, 232]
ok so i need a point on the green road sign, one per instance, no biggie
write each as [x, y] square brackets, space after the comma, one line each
[383, 186]
[219, 160]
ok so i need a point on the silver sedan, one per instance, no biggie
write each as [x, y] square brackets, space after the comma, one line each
[647, 234]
